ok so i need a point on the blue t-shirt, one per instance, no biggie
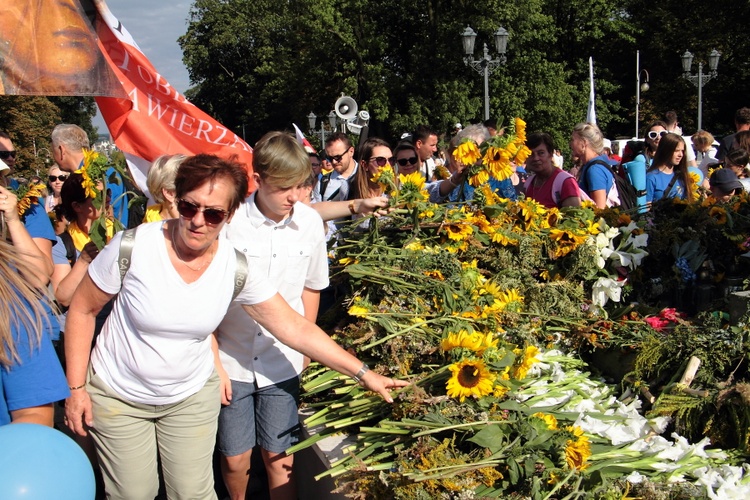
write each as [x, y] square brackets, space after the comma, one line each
[503, 188]
[38, 224]
[595, 176]
[36, 380]
[119, 202]
[657, 182]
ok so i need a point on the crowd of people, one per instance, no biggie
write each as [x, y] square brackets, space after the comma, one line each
[189, 332]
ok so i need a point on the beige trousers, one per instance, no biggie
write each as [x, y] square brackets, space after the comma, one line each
[128, 436]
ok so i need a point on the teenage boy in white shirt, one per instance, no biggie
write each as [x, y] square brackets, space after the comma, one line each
[283, 239]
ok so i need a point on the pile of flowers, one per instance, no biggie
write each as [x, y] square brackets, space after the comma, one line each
[489, 308]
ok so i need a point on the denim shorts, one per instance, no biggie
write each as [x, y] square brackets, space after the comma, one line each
[266, 416]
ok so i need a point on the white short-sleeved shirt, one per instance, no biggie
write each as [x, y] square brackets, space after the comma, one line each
[292, 255]
[155, 347]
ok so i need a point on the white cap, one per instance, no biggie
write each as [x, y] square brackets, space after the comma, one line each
[607, 143]
[3, 167]
[458, 125]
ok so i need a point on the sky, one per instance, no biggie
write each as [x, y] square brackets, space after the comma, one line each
[155, 25]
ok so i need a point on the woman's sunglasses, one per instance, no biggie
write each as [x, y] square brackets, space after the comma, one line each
[381, 161]
[61, 178]
[212, 216]
[654, 134]
[407, 161]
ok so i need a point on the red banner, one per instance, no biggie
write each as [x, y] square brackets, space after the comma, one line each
[154, 119]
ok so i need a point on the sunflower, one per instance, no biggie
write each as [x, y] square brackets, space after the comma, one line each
[522, 155]
[470, 378]
[459, 232]
[385, 177]
[566, 240]
[474, 341]
[358, 311]
[528, 358]
[467, 152]
[482, 176]
[719, 214]
[520, 129]
[550, 420]
[32, 195]
[415, 179]
[578, 451]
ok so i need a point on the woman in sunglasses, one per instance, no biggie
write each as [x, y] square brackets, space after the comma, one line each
[150, 389]
[55, 183]
[668, 175]
[406, 158]
[375, 154]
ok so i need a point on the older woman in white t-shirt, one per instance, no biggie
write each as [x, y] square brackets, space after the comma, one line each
[151, 386]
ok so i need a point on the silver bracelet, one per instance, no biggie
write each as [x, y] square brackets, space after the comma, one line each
[358, 377]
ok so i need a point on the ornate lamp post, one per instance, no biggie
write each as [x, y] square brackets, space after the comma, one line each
[486, 65]
[311, 119]
[700, 79]
[639, 87]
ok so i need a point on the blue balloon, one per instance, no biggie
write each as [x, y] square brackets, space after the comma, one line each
[41, 463]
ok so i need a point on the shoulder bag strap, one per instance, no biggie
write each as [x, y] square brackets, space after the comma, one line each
[670, 185]
[126, 251]
[240, 273]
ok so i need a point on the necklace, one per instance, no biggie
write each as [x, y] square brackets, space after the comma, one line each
[179, 257]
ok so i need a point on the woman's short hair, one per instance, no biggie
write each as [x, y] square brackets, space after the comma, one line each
[280, 160]
[196, 171]
[535, 139]
[72, 191]
[590, 133]
[161, 175]
[404, 146]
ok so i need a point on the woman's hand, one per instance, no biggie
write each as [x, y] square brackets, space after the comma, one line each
[377, 205]
[89, 252]
[8, 205]
[78, 411]
[380, 384]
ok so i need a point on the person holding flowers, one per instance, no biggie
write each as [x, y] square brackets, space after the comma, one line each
[375, 155]
[150, 386]
[544, 184]
[668, 176]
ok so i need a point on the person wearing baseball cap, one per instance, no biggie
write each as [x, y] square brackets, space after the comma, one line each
[724, 184]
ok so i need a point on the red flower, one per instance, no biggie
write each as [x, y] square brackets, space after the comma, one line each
[657, 323]
[671, 314]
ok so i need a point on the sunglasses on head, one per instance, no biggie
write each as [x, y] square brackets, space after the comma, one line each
[654, 134]
[212, 216]
[407, 161]
[336, 158]
[4, 155]
[61, 178]
[381, 161]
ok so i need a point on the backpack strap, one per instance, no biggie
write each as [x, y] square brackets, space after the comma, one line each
[126, 251]
[240, 273]
[70, 248]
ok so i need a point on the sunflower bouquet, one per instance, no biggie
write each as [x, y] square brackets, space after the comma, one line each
[497, 154]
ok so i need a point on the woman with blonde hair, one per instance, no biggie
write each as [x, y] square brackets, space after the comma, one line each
[595, 177]
[160, 183]
[30, 374]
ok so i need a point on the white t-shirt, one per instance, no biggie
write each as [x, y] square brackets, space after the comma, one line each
[155, 347]
[292, 255]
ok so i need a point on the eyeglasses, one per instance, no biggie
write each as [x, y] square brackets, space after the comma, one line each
[407, 161]
[212, 216]
[381, 161]
[61, 178]
[336, 158]
[4, 155]
[654, 134]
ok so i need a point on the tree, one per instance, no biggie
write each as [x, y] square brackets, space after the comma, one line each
[29, 120]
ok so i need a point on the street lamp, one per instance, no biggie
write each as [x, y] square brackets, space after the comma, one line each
[700, 79]
[639, 87]
[486, 65]
[312, 118]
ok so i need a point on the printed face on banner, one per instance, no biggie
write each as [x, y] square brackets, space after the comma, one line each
[49, 47]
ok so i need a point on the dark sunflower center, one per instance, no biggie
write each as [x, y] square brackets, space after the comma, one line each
[468, 376]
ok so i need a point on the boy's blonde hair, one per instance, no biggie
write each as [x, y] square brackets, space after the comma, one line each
[281, 161]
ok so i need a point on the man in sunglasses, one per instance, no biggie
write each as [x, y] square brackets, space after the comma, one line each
[335, 186]
[8, 156]
[68, 143]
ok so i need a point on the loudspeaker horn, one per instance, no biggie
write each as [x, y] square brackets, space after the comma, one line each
[345, 107]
